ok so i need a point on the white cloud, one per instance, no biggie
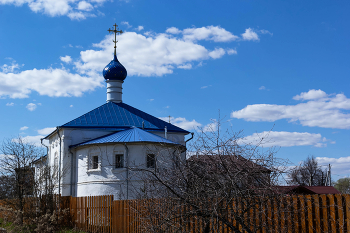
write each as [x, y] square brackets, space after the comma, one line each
[156, 54]
[285, 139]
[56, 8]
[231, 51]
[33, 139]
[151, 100]
[340, 166]
[214, 33]
[211, 127]
[204, 87]
[24, 128]
[326, 112]
[84, 6]
[66, 59]
[217, 53]
[50, 82]
[263, 31]
[152, 55]
[46, 131]
[31, 107]
[262, 88]
[182, 123]
[10, 104]
[173, 30]
[10, 68]
[71, 106]
[185, 66]
[311, 95]
[249, 34]
[140, 28]
[126, 24]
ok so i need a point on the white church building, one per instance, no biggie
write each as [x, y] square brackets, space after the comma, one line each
[95, 151]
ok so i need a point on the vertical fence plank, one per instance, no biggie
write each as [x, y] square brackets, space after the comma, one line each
[332, 214]
[323, 212]
[309, 217]
[340, 217]
[346, 208]
[295, 214]
[302, 214]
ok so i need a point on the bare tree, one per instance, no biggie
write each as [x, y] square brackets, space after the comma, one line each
[223, 184]
[309, 173]
[28, 185]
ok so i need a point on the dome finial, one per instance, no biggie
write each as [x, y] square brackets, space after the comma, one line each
[115, 37]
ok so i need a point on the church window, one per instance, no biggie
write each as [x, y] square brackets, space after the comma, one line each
[151, 161]
[119, 160]
[94, 162]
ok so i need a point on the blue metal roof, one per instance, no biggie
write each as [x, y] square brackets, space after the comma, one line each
[129, 135]
[116, 116]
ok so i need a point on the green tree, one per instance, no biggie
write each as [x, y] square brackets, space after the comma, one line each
[343, 185]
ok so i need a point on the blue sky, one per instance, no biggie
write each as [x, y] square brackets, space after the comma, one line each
[276, 67]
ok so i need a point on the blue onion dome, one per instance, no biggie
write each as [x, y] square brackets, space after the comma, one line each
[114, 70]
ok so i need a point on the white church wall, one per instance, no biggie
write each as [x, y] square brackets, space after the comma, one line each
[108, 180]
[82, 180]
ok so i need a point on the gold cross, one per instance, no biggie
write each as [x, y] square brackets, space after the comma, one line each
[115, 37]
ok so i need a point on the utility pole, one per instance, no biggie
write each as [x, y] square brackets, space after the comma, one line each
[330, 177]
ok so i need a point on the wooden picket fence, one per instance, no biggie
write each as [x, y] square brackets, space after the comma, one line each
[302, 213]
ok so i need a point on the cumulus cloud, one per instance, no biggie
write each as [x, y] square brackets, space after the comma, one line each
[262, 88]
[311, 95]
[217, 53]
[10, 104]
[154, 54]
[285, 139]
[182, 123]
[74, 9]
[249, 34]
[36, 140]
[185, 66]
[149, 54]
[50, 82]
[71, 106]
[31, 106]
[340, 166]
[24, 128]
[173, 30]
[10, 68]
[84, 6]
[214, 33]
[46, 131]
[66, 59]
[140, 28]
[33, 139]
[321, 110]
[231, 51]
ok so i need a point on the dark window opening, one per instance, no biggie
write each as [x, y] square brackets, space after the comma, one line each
[94, 162]
[151, 161]
[119, 161]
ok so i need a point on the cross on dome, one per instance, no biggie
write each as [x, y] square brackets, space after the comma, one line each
[115, 36]
[114, 73]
